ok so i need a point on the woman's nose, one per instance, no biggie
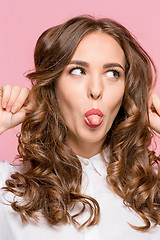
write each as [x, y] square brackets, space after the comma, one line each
[95, 88]
[95, 95]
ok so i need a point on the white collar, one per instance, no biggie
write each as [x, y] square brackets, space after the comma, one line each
[97, 162]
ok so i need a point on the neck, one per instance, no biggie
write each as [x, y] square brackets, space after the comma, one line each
[85, 149]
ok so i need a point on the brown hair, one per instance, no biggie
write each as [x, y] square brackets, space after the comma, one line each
[52, 184]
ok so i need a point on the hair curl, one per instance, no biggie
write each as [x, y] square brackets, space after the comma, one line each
[52, 183]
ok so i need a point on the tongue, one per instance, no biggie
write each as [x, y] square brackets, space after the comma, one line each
[94, 119]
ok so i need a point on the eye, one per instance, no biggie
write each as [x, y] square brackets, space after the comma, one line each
[113, 74]
[77, 71]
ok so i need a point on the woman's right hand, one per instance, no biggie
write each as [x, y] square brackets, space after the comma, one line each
[12, 109]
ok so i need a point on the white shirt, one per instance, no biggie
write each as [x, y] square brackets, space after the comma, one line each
[113, 223]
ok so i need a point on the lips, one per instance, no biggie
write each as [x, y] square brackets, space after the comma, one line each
[93, 118]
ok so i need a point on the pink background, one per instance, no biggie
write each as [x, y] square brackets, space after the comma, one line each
[22, 22]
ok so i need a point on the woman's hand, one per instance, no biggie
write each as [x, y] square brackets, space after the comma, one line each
[154, 112]
[12, 111]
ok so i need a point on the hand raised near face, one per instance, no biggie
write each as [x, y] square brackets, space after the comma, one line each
[12, 109]
[154, 112]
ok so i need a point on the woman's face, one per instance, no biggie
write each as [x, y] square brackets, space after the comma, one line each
[90, 90]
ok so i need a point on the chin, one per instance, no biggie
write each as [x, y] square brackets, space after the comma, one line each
[94, 137]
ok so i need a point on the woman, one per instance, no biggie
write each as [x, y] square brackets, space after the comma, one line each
[87, 171]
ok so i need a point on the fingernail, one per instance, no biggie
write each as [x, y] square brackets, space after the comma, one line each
[14, 108]
[4, 105]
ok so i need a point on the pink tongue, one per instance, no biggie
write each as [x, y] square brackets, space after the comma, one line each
[94, 119]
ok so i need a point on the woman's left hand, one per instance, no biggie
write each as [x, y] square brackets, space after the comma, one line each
[154, 112]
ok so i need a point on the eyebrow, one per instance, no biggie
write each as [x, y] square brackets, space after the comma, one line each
[85, 64]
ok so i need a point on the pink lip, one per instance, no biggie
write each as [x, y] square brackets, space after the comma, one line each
[93, 111]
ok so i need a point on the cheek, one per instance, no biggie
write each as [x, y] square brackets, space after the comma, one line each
[118, 100]
[69, 94]
[66, 100]
[116, 96]
[114, 101]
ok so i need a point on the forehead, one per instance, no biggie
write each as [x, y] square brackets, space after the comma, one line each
[99, 45]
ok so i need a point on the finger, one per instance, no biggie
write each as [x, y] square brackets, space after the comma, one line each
[5, 91]
[20, 100]
[1, 93]
[150, 101]
[154, 121]
[151, 107]
[18, 117]
[156, 102]
[13, 96]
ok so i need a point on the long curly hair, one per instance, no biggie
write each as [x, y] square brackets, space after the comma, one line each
[52, 182]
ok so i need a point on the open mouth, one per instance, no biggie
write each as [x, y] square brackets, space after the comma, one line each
[93, 118]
